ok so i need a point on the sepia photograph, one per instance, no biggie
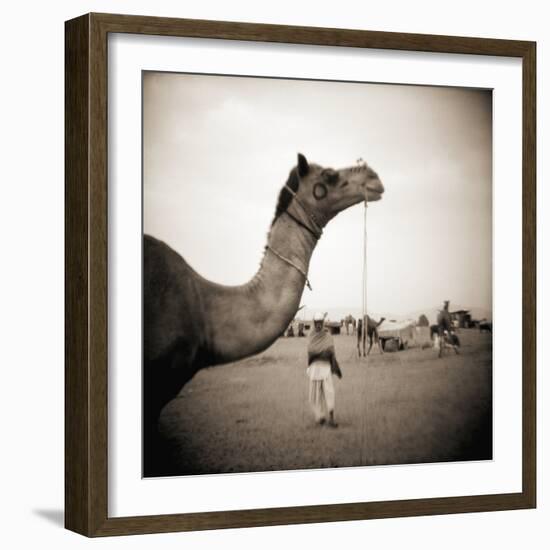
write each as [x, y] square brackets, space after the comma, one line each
[317, 274]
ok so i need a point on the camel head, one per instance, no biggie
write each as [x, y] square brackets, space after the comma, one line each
[325, 192]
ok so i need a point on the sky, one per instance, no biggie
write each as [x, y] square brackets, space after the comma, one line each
[218, 149]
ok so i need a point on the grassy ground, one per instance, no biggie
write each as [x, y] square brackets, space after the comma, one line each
[396, 408]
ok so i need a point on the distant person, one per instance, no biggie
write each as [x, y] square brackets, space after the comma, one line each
[322, 365]
[445, 330]
[444, 319]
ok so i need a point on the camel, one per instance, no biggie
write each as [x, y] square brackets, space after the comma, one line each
[486, 326]
[190, 323]
[371, 332]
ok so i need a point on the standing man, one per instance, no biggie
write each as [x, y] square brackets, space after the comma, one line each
[445, 329]
[322, 365]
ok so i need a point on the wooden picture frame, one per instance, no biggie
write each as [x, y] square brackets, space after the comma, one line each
[86, 283]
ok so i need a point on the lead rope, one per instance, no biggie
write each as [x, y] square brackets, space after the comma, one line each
[361, 162]
[364, 311]
[365, 416]
[364, 450]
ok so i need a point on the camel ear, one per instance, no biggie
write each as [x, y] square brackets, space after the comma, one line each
[303, 166]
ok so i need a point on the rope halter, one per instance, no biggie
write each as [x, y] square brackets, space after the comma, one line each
[309, 222]
[315, 229]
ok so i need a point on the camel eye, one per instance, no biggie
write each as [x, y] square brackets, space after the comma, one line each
[330, 177]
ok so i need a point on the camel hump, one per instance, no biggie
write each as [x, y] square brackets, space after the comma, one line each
[172, 306]
[153, 247]
[161, 260]
[157, 255]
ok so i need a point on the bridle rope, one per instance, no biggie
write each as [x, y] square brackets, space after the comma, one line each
[361, 163]
[301, 224]
[365, 317]
[315, 229]
[364, 312]
[291, 263]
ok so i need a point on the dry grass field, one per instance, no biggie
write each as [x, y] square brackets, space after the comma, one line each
[396, 408]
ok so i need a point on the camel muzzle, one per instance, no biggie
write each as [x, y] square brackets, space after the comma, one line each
[374, 187]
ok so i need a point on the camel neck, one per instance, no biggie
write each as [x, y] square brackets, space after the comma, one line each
[247, 319]
[292, 241]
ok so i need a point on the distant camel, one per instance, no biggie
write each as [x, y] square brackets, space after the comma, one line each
[190, 323]
[371, 332]
[486, 326]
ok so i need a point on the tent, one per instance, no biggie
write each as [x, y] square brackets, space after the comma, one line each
[404, 332]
